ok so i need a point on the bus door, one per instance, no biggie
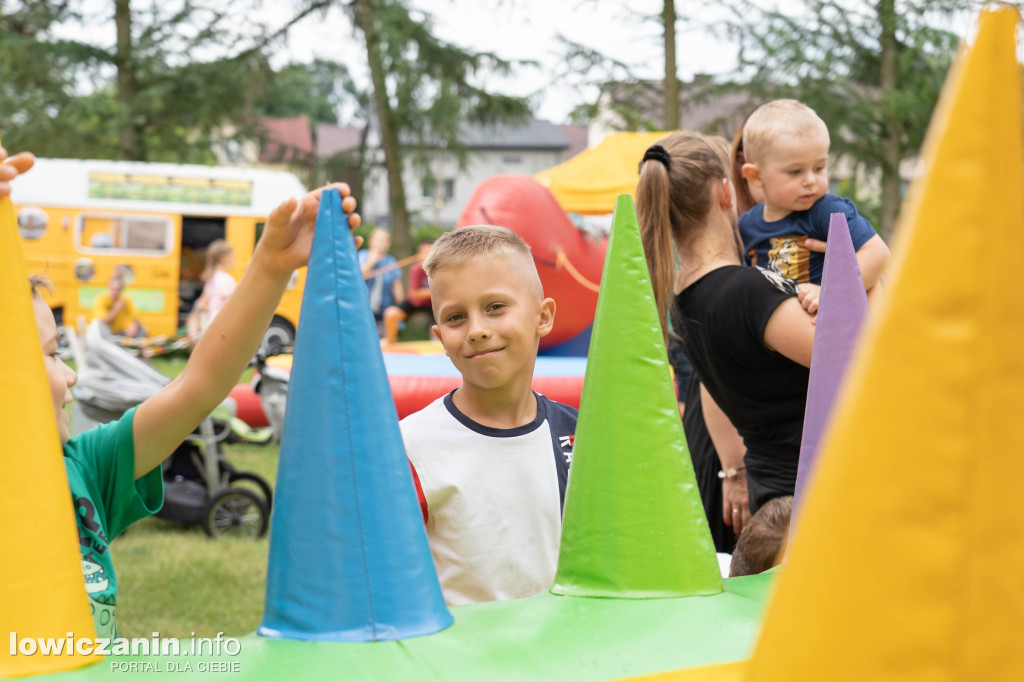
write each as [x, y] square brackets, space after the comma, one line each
[196, 234]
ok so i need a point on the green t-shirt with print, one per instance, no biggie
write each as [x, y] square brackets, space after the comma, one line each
[101, 471]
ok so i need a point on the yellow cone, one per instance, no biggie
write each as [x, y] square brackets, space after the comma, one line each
[42, 593]
[910, 557]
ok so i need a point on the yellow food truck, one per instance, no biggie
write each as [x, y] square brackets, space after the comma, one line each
[82, 220]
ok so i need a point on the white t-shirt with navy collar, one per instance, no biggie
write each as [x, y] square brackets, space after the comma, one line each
[494, 497]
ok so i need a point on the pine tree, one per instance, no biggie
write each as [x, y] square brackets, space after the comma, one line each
[872, 71]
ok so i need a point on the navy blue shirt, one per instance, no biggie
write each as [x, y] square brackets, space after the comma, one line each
[779, 246]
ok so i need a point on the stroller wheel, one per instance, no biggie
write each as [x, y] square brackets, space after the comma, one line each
[238, 512]
[247, 478]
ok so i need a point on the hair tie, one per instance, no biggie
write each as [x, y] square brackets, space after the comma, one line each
[657, 153]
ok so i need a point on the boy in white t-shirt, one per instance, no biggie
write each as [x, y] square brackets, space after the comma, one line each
[491, 458]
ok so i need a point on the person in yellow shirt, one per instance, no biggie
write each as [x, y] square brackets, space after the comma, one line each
[116, 310]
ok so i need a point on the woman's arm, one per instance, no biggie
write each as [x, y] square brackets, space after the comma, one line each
[790, 331]
[730, 448]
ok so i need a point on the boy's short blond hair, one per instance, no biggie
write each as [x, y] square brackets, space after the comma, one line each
[774, 120]
[482, 241]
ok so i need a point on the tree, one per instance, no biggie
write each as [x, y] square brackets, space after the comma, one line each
[872, 71]
[320, 90]
[423, 92]
[668, 20]
[149, 81]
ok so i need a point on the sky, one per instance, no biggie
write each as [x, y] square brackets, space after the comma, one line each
[528, 30]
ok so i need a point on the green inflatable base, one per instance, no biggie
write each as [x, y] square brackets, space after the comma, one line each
[546, 637]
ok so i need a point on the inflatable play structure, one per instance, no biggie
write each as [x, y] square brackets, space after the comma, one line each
[569, 262]
[905, 563]
[590, 182]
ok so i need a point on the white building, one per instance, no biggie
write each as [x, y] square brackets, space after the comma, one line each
[521, 149]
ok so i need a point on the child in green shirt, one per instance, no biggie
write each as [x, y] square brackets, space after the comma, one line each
[114, 469]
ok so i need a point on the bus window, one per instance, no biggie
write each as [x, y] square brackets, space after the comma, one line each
[148, 235]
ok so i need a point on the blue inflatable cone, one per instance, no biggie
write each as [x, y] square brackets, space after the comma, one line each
[842, 307]
[349, 559]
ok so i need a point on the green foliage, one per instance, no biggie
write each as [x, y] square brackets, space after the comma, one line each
[188, 70]
[424, 90]
[830, 55]
[318, 89]
[431, 84]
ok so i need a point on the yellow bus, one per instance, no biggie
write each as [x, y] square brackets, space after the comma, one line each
[82, 220]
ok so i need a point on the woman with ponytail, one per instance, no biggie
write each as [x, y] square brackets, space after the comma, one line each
[742, 328]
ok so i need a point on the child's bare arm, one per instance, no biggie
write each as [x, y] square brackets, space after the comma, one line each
[873, 258]
[164, 420]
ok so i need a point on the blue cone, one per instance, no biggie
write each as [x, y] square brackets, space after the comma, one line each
[349, 559]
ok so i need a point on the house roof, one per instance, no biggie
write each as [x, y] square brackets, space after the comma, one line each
[331, 139]
[287, 139]
[705, 106]
[578, 138]
[531, 133]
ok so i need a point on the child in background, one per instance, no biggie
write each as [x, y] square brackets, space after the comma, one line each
[220, 258]
[762, 542]
[116, 309]
[114, 469]
[786, 146]
[418, 298]
[490, 459]
[382, 274]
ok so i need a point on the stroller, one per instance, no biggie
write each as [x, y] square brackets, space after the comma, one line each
[200, 485]
[272, 384]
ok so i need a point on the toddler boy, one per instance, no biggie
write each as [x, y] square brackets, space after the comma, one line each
[491, 458]
[786, 148]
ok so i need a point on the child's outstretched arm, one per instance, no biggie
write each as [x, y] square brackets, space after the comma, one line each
[165, 419]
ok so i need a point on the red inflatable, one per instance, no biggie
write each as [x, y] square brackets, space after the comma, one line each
[569, 262]
[250, 410]
[417, 380]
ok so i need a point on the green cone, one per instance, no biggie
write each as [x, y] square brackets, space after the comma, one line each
[633, 525]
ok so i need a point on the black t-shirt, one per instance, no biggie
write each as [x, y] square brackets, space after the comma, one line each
[723, 316]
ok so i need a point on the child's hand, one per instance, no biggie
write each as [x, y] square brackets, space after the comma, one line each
[289, 232]
[12, 167]
[808, 295]
[815, 245]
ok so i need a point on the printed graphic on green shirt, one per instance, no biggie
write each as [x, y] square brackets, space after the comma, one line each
[97, 569]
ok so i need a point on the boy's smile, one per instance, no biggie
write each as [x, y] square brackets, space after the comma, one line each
[490, 320]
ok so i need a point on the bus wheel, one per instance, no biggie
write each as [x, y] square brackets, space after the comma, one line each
[280, 334]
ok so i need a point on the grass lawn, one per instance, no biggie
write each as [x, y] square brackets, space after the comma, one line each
[174, 580]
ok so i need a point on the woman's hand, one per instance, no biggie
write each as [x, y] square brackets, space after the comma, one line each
[288, 236]
[735, 503]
